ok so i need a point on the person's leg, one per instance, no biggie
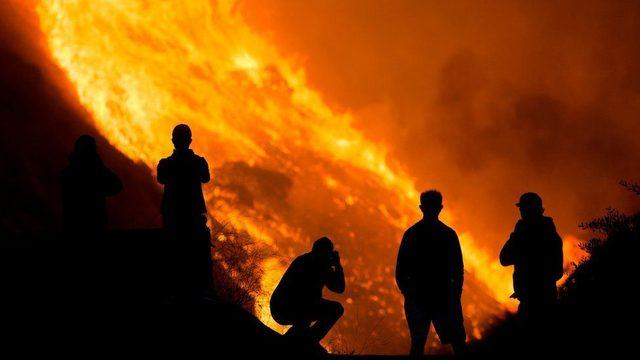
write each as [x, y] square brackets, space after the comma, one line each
[459, 348]
[418, 322]
[326, 313]
[537, 321]
[285, 313]
[449, 324]
[299, 328]
[418, 342]
[536, 334]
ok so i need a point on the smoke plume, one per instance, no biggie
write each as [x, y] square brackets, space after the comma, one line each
[483, 100]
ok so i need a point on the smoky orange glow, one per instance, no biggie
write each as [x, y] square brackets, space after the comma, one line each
[140, 67]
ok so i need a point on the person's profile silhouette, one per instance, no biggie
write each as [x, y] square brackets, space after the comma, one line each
[86, 183]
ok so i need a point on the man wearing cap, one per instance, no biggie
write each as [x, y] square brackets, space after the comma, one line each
[535, 250]
[184, 216]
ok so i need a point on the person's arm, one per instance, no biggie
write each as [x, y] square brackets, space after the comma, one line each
[508, 254]
[335, 278]
[111, 182]
[556, 252]
[402, 271]
[287, 289]
[162, 173]
[205, 176]
[64, 184]
[457, 265]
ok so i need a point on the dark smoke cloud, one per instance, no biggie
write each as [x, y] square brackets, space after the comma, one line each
[484, 100]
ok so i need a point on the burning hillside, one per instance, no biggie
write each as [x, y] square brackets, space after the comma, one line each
[288, 167]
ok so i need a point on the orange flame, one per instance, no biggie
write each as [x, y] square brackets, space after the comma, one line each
[142, 66]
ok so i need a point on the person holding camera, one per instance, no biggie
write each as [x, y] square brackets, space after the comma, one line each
[297, 300]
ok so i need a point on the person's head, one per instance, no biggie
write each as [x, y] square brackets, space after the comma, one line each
[181, 137]
[322, 248]
[431, 204]
[530, 205]
[84, 148]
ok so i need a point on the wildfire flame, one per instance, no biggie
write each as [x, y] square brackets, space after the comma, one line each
[142, 66]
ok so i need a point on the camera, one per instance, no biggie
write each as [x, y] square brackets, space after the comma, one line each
[334, 257]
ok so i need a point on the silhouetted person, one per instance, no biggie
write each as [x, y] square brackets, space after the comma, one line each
[182, 175]
[535, 250]
[86, 183]
[297, 300]
[430, 273]
[184, 215]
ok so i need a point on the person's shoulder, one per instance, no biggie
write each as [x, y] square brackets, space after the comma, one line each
[447, 229]
[413, 229]
[65, 175]
[302, 258]
[164, 164]
[197, 158]
[165, 160]
[548, 221]
[301, 261]
[202, 160]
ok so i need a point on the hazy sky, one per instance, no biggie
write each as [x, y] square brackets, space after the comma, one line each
[484, 100]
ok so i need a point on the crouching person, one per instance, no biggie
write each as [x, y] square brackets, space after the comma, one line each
[297, 300]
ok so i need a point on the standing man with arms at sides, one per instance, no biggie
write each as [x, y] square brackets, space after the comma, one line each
[430, 273]
[184, 217]
[535, 250]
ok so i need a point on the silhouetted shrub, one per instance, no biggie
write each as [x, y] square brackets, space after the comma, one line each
[237, 266]
[598, 297]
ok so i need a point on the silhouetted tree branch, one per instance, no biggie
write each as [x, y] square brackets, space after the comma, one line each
[237, 267]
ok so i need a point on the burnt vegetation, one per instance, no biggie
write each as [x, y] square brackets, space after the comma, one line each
[237, 266]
